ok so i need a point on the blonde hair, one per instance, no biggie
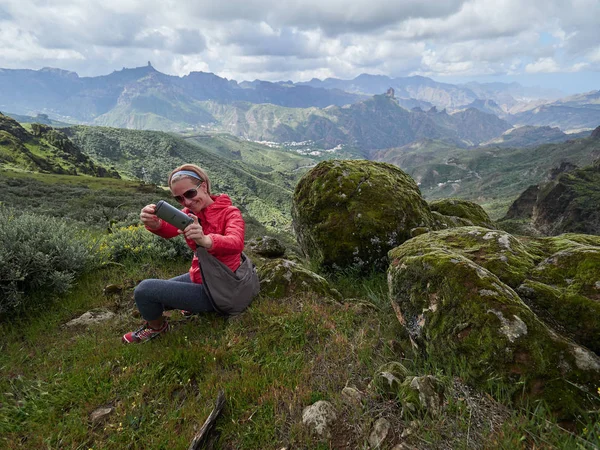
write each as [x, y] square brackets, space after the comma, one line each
[192, 168]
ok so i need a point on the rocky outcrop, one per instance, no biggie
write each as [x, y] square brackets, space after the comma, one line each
[522, 207]
[465, 294]
[568, 202]
[11, 126]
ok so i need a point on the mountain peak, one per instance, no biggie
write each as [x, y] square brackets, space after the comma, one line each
[59, 72]
[367, 76]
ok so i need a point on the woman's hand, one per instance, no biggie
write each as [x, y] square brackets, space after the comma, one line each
[195, 233]
[148, 217]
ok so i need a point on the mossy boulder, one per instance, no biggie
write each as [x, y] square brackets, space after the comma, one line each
[459, 312]
[470, 213]
[282, 277]
[349, 214]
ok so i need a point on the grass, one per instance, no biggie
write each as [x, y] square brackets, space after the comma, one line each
[272, 361]
[267, 361]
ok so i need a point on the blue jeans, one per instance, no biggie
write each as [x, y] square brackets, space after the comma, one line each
[153, 296]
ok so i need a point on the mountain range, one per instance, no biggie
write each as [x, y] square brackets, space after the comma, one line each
[144, 98]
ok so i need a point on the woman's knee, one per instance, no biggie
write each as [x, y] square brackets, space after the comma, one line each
[143, 291]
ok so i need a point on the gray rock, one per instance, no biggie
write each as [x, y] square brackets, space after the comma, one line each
[319, 417]
[403, 446]
[352, 396]
[91, 317]
[267, 246]
[99, 415]
[379, 433]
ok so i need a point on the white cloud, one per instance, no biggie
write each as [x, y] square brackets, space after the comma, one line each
[543, 65]
[274, 40]
[549, 65]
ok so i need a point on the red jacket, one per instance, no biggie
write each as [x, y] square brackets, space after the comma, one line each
[221, 221]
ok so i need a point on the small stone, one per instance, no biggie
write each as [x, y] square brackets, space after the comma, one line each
[319, 417]
[352, 396]
[431, 393]
[418, 231]
[379, 433]
[100, 414]
[91, 317]
[403, 446]
[110, 289]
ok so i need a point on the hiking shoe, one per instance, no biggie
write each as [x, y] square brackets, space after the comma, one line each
[144, 333]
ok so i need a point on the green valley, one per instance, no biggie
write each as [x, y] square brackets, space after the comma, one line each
[490, 176]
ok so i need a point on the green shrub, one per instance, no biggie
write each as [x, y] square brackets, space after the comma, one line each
[38, 255]
[136, 242]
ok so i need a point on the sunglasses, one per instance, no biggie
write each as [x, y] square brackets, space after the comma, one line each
[189, 194]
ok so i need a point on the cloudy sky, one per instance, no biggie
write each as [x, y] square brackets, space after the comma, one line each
[550, 43]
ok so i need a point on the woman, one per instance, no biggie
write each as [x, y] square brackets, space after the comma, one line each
[218, 226]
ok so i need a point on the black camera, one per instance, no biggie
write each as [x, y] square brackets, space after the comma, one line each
[172, 215]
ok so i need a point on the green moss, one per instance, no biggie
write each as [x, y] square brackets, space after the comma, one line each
[349, 214]
[572, 314]
[577, 269]
[454, 308]
[497, 251]
[442, 221]
[464, 209]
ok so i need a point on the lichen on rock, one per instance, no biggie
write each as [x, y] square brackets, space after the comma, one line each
[562, 288]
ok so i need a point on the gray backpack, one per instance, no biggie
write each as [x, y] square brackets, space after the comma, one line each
[230, 292]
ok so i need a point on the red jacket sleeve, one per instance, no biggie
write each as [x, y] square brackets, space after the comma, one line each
[232, 241]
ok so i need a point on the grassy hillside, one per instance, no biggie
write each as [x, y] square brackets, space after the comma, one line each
[277, 358]
[97, 202]
[147, 155]
[41, 148]
[274, 360]
[492, 177]
[39, 118]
